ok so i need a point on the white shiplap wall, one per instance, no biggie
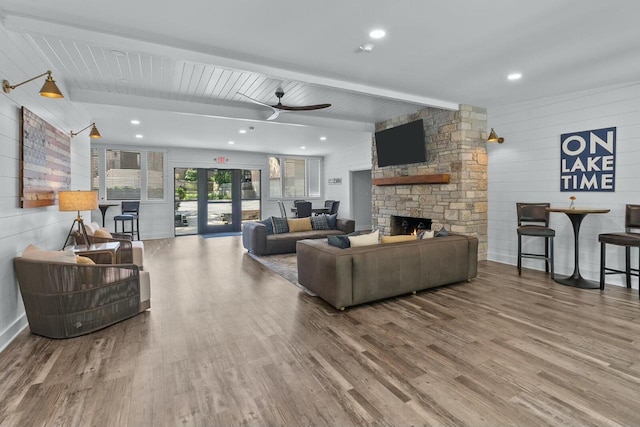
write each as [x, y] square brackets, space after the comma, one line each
[526, 168]
[44, 227]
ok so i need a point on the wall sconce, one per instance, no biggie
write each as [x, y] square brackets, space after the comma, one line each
[77, 201]
[49, 88]
[493, 137]
[93, 134]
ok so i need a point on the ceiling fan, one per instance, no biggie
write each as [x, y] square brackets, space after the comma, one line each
[279, 108]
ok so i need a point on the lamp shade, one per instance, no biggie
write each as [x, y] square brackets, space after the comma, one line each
[50, 89]
[77, 200]
[94, 132]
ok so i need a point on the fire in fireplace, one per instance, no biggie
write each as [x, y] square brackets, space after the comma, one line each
[408, 225]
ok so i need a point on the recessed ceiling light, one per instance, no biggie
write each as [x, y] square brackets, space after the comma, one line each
[135, 122]
[139, 135]
[323, 138]
[514, 76]
[366, 47]
[231, 142]
[242, 131]
[377, 34]
[303, 148]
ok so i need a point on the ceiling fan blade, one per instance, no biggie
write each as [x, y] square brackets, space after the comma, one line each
[302, 108]
[275, 114]
[255, 101]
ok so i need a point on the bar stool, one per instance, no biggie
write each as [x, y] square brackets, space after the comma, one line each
[537, 214]
[628, 240]
[130, 212]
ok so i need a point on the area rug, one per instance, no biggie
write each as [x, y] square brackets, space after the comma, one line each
[284, 265]
[212, 235]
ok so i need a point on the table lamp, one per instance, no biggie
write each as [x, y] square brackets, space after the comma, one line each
[77, 201]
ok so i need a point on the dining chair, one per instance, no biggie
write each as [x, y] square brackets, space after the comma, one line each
[303, 209]
[533, 221]
[628, 239]
[283, 211]
[130, 211]
[335, 204]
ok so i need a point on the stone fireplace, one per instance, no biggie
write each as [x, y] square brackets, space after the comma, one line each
[450, 188]
[408, 225]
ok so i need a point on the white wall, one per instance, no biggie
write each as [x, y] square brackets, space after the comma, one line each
[44, 227]
[526, 168]
[355, 157]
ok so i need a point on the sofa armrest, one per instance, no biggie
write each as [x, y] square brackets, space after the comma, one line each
[346, 225]
[254, 238]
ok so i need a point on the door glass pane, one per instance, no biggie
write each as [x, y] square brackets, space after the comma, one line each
[186, 201]
[219, 197]
[250, 184]
[95, 169]
[314, 177]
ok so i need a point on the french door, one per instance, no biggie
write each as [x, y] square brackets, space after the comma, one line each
[215, 200]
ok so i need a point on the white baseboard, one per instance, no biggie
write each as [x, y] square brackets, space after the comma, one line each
[9, 334]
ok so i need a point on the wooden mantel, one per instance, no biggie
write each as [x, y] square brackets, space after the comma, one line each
[435, 178]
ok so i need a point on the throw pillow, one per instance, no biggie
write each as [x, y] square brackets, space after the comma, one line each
[35, 253]
[332, 220]
[442, 233]
[280, 225]
[84, 260]
[90, 228]
[341, 241]
[267, 224]
[397, 238]
[364, 240]
[427, 234]
[103, 232]
[319, 222]
[299, 224]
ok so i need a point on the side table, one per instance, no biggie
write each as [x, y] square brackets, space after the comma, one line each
[110, 248]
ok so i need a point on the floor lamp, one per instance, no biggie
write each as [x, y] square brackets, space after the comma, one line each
[77, 201]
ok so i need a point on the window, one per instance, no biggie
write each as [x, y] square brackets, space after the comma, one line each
[294, 177]
[122, 179]
[128, 175]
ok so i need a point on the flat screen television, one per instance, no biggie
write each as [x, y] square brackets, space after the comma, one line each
[401, 145]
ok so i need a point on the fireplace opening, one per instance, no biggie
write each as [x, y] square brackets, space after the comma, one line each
[409, 225]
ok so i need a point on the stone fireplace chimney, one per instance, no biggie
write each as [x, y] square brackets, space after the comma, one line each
[450, 188]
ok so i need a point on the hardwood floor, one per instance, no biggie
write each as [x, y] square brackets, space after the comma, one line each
[228, 342]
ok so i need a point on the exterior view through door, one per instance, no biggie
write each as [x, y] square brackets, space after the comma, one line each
[214, 200]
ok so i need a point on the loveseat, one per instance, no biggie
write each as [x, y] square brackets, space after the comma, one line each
[356, 275]
[257, 240]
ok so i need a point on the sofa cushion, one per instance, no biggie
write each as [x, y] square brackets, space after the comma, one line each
[267, 224]
[332, 220]
[397, 238]
[280, 225]
[35, 253]
[84, 260]
[442, 233]
[319, 222]
[427, 234]
[341, 241]
[365, 239]
[299, 224]
[103, 232]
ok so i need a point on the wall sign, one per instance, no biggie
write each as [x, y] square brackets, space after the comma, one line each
[334, 181]
[588, 160]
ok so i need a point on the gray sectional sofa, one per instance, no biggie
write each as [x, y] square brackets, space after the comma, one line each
[256, 240]
[346, 277]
